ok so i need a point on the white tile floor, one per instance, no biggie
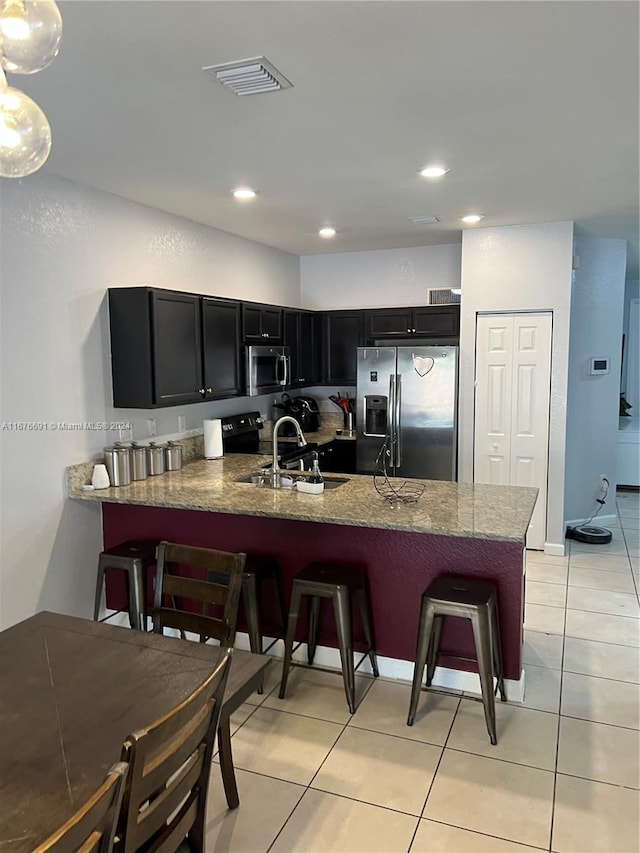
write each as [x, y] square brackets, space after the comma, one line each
[564, 776]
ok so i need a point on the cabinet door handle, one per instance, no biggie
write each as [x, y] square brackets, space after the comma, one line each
[209, 390]
[409, 330]
[201, 391]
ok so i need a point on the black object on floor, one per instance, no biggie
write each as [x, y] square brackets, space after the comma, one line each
[589, 534]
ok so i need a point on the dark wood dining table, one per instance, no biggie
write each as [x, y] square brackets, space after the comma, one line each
[71, 690]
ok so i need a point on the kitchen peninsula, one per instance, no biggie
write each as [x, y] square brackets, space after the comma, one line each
[454, 528]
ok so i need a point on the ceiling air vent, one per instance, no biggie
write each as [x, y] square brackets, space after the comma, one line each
[443, 296]
[424, 220]
[249, 76]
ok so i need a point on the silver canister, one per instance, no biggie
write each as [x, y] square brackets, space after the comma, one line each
[118, 462]
[155, 458]
[139, 467]
[173, 456]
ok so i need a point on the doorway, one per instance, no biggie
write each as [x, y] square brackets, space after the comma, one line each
[512, 398]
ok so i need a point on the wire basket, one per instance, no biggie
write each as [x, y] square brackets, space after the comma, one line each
[405, 493]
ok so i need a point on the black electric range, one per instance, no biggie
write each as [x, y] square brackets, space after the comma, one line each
[241, 434]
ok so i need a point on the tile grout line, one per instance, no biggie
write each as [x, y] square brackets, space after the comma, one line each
[308, 786]
[555, 769]
[435, 773]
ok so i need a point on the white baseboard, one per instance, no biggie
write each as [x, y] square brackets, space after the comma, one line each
[554, 549]
[391, 668]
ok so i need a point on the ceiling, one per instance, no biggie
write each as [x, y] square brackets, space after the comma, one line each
[532, 105]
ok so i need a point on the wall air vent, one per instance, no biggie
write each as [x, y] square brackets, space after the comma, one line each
[249, 76]
[443, 296]
[424, 220]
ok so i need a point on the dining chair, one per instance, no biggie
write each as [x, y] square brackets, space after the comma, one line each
[170, 763]
[206, 605]
[92, 828]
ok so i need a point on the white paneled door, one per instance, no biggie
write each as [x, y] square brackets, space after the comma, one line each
[513, 380]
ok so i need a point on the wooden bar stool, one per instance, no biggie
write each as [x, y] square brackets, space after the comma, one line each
[133, 557]
[339, 583]
[473, 600]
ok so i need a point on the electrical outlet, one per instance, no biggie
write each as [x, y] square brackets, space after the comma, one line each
[182, 423]
[152, 426]
[125, 434]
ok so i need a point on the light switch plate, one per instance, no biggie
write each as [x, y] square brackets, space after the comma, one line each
[182, 423]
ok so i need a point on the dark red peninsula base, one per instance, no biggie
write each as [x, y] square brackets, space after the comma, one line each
[399, 565]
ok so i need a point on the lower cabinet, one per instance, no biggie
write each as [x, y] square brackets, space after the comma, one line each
[338, 456]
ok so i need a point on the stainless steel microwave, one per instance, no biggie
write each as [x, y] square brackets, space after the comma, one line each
[268, 370]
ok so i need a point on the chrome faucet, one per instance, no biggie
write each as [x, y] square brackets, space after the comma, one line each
[302, 441]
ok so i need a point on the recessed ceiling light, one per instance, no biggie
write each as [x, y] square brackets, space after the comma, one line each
[244, 193]
[473, 217]
[434, 171]
[327, 233]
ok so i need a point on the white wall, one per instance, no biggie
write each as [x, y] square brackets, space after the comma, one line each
[519, 268]
[62, 246]
[597, 303]
[631, 291]
[389, 277]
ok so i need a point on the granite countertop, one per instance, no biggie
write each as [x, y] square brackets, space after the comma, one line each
[449, 509]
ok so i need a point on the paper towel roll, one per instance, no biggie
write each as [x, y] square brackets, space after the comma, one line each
[213, 438]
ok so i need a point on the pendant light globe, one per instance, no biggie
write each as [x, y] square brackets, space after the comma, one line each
[25, 135]
[30, 33]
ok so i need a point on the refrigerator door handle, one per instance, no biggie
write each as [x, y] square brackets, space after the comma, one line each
[396, 419]
[391, 427]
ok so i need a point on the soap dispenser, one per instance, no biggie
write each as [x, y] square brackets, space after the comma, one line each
[314, 484]
[316, 477]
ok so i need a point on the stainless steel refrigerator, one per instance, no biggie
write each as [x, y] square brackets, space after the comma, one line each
[407, 397]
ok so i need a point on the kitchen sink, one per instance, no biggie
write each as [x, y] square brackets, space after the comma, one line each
[260, 479]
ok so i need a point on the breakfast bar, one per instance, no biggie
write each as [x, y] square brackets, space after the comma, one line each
[472, 530]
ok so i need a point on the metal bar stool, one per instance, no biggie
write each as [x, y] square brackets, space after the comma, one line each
[339, 583]
[473, 600]
[258, 569]
[133, 557]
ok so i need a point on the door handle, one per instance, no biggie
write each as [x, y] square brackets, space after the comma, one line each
[391, 427]
[398, 401]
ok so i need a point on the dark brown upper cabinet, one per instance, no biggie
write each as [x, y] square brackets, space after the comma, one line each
[261, 324]
[426, 321]
[301, 336]
[221, 349]
[342, 334]
[170, 348]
